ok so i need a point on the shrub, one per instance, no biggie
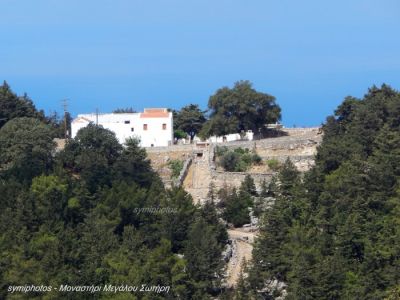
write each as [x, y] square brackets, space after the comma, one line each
[180, 134]
[238, 160]
[176, 167]
[229, 161]
[256, 159]
[247, 158]
[241, 166]
[273, 164]
[219, 151]
[241, 150]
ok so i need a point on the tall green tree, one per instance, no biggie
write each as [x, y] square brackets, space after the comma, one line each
[237, 207]
[271, 255]
[26, 148]
[133, 165]
[175, 224]
[239, 109]
[13, 106]
[248, 185]
[189, 119]
[203, 255]
[91, 154]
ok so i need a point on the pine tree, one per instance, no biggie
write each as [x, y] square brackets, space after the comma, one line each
[248, 185]
[203, 255]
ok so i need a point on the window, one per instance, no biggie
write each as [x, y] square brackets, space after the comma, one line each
[132, 129]
[127, 122]
[144, 126]
[164, 126]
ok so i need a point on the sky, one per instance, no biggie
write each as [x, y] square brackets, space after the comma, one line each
[110, 54]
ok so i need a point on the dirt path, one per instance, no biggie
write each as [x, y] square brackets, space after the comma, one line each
[242, 244]
[240, 233]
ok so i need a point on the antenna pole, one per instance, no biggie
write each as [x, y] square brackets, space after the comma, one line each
[65, 107]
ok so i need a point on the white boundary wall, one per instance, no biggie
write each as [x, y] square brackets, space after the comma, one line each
[231, 137]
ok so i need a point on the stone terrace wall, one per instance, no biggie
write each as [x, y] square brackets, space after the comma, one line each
[283, 142]
[173, 148]
[302, 131]
[182, 175]
[160, 156]
[221, 178]
[299, 146]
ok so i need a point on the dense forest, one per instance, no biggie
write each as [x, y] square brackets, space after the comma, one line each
[96, 213]
[334, 233]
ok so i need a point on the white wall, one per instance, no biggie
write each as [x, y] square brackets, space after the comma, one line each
[231, 137]
[155, 135]
[75, 128]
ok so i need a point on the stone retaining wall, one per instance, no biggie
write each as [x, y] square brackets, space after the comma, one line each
[173, 148]
[182, 175]
[236, 178]
[301, 151]
[283, 142]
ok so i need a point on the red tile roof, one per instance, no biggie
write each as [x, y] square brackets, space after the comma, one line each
[155, 113]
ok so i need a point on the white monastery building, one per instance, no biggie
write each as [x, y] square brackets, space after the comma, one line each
[153, 127]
